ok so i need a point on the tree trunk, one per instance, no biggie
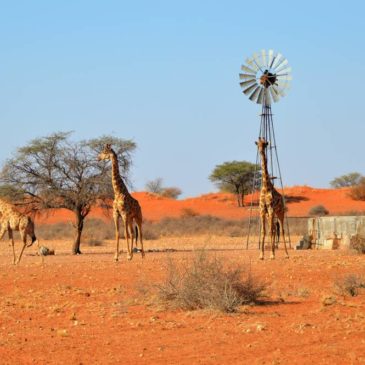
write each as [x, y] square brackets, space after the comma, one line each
[78, 227]
[238, 196]
[242, 196]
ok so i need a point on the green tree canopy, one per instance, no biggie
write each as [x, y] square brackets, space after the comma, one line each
[56, 172]
[348, 180]
[235, 177]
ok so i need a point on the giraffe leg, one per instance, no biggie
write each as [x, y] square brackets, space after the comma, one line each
[126, 234]
[132, 238]
[271, 230]
[116, 223]
[11, 239]
[281, 220]
[140, 234]
[24, 240]
[263, 233]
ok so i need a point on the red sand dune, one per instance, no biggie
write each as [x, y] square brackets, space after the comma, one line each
[299, 200]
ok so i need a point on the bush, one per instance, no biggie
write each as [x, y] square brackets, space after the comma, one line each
[349, 285]
[188, 212]
[171, 192]
[357, 192]
[318, 210]
[204, 283]
[357, 243]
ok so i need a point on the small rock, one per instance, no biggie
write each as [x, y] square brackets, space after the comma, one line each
[62, 333]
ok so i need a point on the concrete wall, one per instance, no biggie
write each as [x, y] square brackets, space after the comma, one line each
[335, 232]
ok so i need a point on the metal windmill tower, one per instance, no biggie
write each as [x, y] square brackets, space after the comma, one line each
[265, 78]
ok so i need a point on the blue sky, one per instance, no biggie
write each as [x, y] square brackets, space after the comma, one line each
[165, 74]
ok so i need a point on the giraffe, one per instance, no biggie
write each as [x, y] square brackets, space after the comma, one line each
[124, 206]
[271, 204]
[12, 220]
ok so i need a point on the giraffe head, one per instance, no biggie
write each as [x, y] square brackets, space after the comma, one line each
[261, 144]
[106, 153]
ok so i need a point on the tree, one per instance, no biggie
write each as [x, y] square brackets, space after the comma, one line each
[154, 186]
[235, 177]
[54, 172]
[348, 180]
[357, 192]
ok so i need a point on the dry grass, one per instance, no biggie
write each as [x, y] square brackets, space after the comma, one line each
[349, 285]
[205, 283]
[358, 244]
[188, 232]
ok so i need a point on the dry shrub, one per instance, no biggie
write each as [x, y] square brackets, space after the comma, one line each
[55, 231]
[349, 285]
[205, 283]
[188, 212]
[357, 243]
[318, 210]
[357, 192]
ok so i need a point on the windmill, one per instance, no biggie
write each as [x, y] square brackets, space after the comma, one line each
[265, 78]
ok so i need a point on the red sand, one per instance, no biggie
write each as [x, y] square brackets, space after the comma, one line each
[89, 310]
[299, 201]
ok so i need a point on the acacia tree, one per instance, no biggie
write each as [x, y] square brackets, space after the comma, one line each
[235, 177]
[348, 180]
[55, 172]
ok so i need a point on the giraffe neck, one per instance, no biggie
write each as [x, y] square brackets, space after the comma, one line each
[265, 177]
[118, 184]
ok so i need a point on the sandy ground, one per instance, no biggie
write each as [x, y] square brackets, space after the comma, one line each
[89, 309]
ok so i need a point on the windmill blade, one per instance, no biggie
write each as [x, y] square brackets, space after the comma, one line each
[278, 58]
[249, 70]
[256, 59]
[255, 94]
[274, 60]
[280, 91]
[283, 86]
[283, 71]
[244, 84]
[267, 98]
[286, 76]
[260, 98]
[281, 66]
[263, 55]
[270, 58]
[249, 89]
[283, 81]
[247, 77]
[274, 94]
[252, 64]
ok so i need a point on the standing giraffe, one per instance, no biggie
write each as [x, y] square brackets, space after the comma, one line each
[124, 206]
[271, 204]
[12, 220]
